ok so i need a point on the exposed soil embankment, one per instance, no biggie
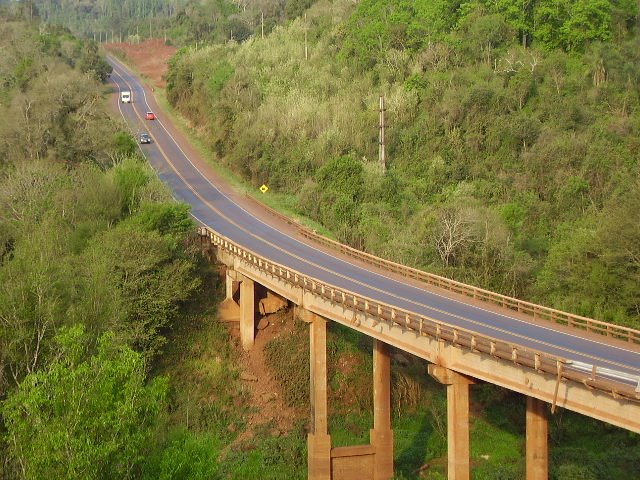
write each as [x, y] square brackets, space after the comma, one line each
[150, 58]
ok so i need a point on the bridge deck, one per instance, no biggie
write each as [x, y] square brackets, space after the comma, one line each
[216, 209]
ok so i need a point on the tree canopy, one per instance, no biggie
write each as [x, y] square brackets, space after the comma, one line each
[511, 125]
[87, 414]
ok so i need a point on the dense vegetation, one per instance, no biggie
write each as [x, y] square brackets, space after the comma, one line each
[512, 149]
[512, 164]
[95, 268]
[179, 21]
[110, 363]
[112, 17]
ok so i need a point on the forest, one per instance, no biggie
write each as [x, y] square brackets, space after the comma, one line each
[512, 163]
[96, 266]
[512, 147]
[179, 21]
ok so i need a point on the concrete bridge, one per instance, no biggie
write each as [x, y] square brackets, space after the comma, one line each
[468, 335]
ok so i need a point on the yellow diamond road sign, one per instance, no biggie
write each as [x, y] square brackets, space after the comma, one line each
[264, 188]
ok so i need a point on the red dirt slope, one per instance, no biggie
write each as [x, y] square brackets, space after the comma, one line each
[149, 58]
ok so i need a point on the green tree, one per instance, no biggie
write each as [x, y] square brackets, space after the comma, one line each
[87, 415]
[572, 24]
[342, 175]
[91, 61]
[295, 8]
[149, 278]
[378, 26]
[519, 14]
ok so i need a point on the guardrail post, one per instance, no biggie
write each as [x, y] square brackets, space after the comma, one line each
[536, 444]
[247, 312]
[382, 434]
[318, 440]
[457, 420]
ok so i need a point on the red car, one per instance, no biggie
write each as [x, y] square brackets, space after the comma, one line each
[150, 116]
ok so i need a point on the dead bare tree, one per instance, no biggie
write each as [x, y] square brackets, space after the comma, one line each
[455, 233]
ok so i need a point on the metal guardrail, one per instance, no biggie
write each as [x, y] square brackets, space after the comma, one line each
[422, 325]
[538, 312]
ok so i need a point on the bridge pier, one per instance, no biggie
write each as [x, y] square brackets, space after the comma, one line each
[537, 453]
[318, 440]
[247, 312]
[361, 462]
[457, 420]
[382, 435]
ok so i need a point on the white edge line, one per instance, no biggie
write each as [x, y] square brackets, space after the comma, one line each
[340, 260]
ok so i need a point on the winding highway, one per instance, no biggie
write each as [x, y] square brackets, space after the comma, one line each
[176, 164]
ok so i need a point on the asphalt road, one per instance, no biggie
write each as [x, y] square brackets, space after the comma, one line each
[213, 208]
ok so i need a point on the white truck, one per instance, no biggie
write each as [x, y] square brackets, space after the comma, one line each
[125, 96]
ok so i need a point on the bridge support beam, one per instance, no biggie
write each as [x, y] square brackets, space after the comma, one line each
[247, 312]
[382, 435]
[319, 440]
[230, 284]
[537, 440]
[457, 420]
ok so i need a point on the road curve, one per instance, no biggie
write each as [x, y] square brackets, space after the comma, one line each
[212, 207]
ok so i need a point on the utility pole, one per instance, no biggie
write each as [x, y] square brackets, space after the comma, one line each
[262, 23]
[381, 152]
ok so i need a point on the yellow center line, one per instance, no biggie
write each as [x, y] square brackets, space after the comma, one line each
[358, 282]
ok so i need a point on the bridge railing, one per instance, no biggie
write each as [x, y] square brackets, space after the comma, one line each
[537, 312]
[423, 325]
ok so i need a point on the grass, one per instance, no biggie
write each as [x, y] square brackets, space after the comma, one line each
[287, 350]
[416, 443]
[199, 359]
[598, 450]
[268, 457]
[206, 405]
[350, 428]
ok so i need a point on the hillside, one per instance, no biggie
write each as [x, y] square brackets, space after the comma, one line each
[510, 167]
[95, 269]
[178, 21]
[513, 161]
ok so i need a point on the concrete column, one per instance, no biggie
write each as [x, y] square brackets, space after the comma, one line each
[537, 446]
[457, 420]
[247, 313]
[229, 285]
[381, 434]
[318, 441]
[458, 428]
